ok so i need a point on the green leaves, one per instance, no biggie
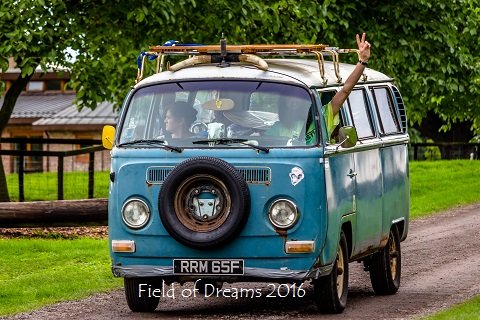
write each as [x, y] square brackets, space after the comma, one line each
[430, 47]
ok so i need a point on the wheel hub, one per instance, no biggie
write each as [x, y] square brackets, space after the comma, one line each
[205, 203]
[202, 203]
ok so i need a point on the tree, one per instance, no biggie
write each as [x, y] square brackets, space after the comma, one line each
[428, 47]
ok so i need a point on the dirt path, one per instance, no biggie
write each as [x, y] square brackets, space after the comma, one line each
[441, 267]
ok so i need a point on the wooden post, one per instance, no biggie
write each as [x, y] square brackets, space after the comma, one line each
[91, 174]
[66, 213]
[21, 177]
[60, 178]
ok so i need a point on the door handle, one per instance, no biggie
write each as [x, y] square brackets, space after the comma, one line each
[352, 173]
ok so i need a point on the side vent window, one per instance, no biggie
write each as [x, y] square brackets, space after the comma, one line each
[385, 111]
[360, 114]
[401, 109]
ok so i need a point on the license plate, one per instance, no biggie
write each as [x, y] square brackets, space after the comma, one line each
[208, 266]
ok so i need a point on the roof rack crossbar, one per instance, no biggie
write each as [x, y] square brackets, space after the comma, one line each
[336, 62]
[321, 66]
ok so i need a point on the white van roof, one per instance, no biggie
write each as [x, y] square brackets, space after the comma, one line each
[297, 71]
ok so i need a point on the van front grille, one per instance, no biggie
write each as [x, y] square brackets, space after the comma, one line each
[156, 175]
[253, 175]
[256, 175]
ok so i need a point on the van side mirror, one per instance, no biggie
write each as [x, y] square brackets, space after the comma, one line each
[108, 135]
[347, 136]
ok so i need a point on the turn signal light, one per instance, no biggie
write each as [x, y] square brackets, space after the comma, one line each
[123, 246]
[299, 246]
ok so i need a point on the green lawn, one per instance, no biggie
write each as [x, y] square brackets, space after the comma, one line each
[36, 272]
[467, 310]
[440, 185]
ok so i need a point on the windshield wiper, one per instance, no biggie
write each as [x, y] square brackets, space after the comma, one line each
[152, 142]
[229, 141]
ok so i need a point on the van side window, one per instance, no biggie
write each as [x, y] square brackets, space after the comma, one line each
[401, 109]
[385, 110]
[359, 111]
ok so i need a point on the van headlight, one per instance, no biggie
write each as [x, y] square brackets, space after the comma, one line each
[283, 213]
[135, 213]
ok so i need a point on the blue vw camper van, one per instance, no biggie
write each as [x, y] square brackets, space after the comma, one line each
[222, 172]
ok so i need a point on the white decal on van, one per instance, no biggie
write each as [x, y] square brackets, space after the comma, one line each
[296, 175]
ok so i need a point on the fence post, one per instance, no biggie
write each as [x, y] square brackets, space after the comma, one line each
[91, 172]
[415, 152]
[60, 178]
[21, 176]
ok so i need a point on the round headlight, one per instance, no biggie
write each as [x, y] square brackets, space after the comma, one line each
[135, 213]
[283, 213]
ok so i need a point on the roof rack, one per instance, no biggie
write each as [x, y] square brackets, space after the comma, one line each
[224, 54]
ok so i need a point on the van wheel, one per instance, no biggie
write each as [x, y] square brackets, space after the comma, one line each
[141, 302]
[385, 266]
[204, 202]
[331, 291]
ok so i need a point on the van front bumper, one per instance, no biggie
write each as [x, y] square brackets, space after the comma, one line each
[250, 274]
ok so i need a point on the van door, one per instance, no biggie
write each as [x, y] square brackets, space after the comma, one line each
[393, 132]
[368, 175]
[339, 181]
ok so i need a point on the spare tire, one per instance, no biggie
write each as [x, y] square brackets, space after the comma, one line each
[204, 202]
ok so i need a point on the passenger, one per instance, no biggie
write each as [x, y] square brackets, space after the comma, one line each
[178, 118]
[292, 114]
[331, 109]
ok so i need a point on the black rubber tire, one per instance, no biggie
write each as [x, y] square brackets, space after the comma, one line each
[386, 265]
[214, 171]
[141, 302]
[327, 295]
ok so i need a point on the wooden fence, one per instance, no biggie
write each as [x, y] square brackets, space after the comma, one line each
[448, 150]
[94, 212]
[21, 152]
[63, 213]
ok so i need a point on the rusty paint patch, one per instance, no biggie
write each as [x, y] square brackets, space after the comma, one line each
[383, 241]
[282, 233]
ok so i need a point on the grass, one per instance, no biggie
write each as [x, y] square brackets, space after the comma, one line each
[440, 185]
[43, 186]
[37, 272]
[466, 310]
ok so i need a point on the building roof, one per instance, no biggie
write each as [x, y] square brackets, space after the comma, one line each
[102, 115]
[59, 110]
[38, 106]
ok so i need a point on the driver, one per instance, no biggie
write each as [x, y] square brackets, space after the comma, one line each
[178, 118]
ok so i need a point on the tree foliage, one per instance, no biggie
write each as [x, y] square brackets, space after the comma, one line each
[429, 47]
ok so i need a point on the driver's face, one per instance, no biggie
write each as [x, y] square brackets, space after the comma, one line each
[171, 123]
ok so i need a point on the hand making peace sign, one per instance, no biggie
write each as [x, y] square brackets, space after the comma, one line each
[364, 48]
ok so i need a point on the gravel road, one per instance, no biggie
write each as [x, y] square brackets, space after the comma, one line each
[441, 267]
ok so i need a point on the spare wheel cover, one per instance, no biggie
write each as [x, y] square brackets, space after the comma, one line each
[204, 202]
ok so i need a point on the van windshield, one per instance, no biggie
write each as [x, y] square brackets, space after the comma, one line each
[208, 113]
